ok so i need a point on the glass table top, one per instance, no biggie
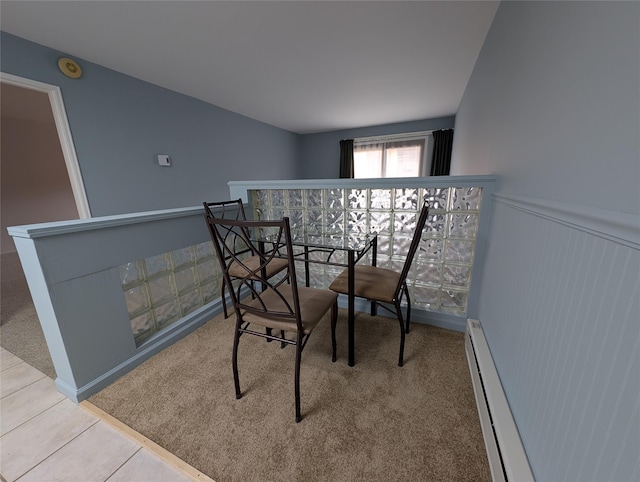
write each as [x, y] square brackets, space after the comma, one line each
[313, 237]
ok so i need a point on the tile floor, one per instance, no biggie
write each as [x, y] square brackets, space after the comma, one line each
[44, 437]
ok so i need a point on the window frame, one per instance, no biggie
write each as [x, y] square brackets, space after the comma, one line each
[427, 149]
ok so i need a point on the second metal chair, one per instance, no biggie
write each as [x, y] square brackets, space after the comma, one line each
[384, 286]
[235, 210]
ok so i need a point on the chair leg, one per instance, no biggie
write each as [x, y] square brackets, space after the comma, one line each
[402, 331]
[234, 360]
[297, 375]
[334, 323]
[224, 298]
[282, 343]
[406, 292]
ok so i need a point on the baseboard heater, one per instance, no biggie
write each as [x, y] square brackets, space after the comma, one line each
[507, 458]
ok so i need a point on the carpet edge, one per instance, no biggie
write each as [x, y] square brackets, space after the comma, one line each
[176, 462]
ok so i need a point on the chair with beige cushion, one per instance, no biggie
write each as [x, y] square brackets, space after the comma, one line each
[384, 287]
[278, 303]
[235, 210]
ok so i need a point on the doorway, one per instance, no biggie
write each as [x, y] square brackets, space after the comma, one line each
[39, 173]
[37, 185]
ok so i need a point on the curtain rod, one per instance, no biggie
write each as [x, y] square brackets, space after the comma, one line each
[395, 137]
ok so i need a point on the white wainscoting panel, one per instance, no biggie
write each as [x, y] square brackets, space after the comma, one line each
[560, 307]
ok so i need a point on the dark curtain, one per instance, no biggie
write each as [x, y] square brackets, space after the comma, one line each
[442, 143]
[346, 158]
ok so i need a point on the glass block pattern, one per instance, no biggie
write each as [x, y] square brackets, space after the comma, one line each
[441, 272]
[162, 289]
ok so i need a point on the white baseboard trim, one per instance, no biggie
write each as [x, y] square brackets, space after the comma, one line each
[507, 457]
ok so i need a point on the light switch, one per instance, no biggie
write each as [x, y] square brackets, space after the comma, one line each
[164, 160]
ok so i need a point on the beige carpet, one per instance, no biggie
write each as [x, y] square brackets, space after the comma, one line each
[372, 422]
[20, 330]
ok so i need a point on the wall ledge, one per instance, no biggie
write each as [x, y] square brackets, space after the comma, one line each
[39, 230]
[622, 228]
[240, 188]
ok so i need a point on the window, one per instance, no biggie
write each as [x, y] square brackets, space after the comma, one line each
[403, 155]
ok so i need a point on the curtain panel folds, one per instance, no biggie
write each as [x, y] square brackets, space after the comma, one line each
[442, 144]
[346, 158]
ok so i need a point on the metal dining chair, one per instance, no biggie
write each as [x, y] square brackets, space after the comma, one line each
[385, 287]
[278, 303]
[235, 210]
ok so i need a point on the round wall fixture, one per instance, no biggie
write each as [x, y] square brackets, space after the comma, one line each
[69, 67]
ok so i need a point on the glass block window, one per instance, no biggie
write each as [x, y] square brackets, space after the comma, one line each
[162, 289]
[441, 272]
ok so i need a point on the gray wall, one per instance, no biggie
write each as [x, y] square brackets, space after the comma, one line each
[552, 105]
[321, 151]
[120, 124]
[552, 108]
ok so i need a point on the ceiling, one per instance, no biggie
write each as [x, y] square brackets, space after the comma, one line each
[304, 66]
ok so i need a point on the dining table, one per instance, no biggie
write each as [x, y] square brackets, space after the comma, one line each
[316, 245]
